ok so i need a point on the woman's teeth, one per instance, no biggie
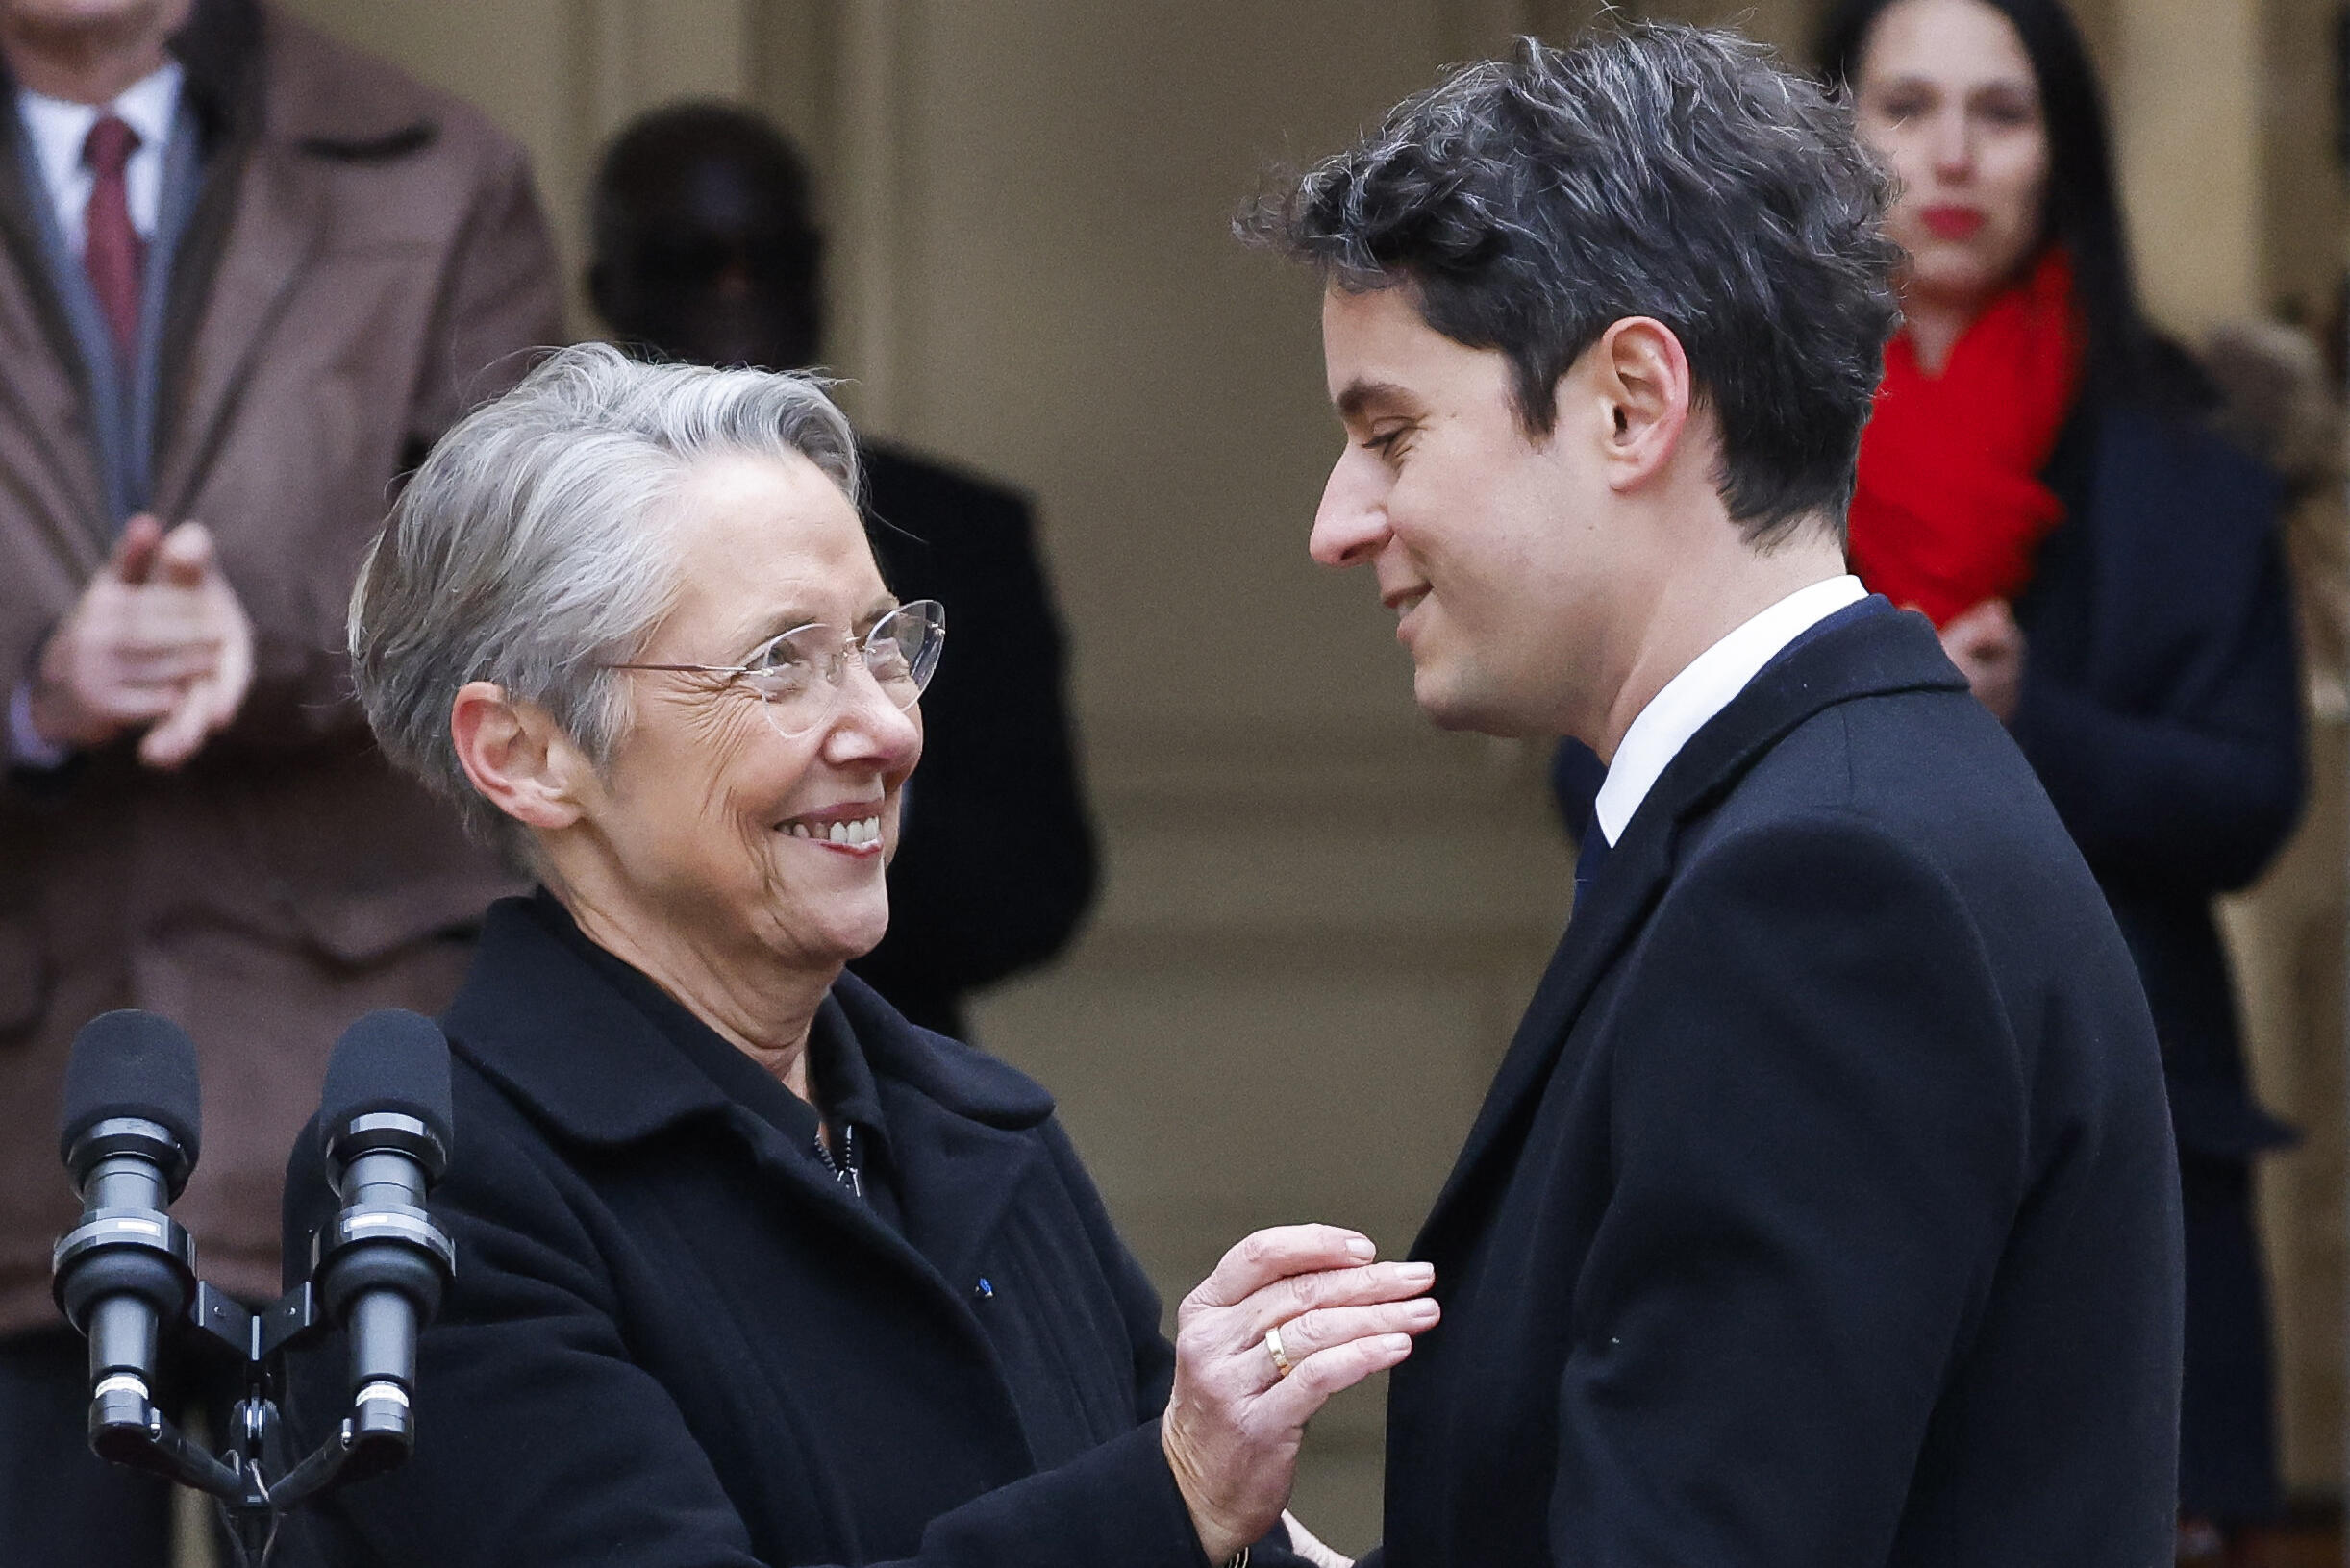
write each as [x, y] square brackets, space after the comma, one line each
[862, 830]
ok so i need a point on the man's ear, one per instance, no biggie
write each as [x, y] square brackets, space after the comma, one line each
[516, 757]
[1642, 381]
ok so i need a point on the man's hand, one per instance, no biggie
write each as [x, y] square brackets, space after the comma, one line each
[157, 638]
[1234, 1422]
[186, 565]
[1987, 647]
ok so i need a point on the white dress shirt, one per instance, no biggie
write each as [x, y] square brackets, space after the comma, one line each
[1704, 688]
[60, 129]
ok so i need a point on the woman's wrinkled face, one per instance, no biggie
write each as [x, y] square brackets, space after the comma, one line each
[1947, 96]
[714, 823]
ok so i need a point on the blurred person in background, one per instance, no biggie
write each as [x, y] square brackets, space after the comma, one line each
[707, 251]
[753, 1270]
[2041, 478]
[246, 277]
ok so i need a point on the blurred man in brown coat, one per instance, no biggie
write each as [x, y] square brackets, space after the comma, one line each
[246, 277]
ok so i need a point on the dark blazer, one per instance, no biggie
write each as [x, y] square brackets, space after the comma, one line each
[2162, 709]
[674, 1340]
[1823, 1213]
[995, 859]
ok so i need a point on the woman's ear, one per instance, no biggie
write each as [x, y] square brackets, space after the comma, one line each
[1645, 392]
[518, 759]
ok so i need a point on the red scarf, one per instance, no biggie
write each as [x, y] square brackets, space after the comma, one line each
[1950, 506]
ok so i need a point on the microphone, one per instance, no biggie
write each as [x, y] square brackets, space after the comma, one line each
[128, 1133]
[384, 1125]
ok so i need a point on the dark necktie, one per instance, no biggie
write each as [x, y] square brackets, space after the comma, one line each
[1589, 855]
[112, 251]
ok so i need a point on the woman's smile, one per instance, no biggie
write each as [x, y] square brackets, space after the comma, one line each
[854, 828]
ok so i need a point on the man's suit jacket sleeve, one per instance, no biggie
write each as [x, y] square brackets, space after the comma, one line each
[504, 299]
[500, 297]
[1818, 1129]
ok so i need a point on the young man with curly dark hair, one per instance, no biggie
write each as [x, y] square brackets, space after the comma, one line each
[1823, 1213]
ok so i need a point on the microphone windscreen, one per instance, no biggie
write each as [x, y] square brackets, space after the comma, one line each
[392, 1061]
[131, 1063]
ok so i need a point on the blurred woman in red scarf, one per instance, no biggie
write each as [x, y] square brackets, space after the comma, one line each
[2038, 479]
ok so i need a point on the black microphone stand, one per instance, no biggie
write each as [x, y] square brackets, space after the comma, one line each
[249, 1477]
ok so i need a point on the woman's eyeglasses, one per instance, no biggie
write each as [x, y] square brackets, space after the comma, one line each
[797, 676]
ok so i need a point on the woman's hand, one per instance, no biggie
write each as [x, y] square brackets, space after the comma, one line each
[1987, 647]
[1234, 1421]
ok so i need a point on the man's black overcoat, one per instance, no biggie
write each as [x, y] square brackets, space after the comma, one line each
[675, 1342]
[1823, 1213]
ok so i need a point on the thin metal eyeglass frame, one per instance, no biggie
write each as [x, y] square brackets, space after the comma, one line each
[834, 666]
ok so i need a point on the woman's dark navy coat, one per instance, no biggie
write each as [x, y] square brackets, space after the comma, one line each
[2162, 709]
[675, 1342]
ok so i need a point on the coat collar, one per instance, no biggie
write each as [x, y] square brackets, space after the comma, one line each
[1865, 650]
[540, 1021]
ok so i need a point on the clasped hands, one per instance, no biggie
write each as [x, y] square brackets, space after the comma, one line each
[1234, 1422]
[158, 639]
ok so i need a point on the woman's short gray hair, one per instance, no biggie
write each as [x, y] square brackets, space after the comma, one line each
[530, 549]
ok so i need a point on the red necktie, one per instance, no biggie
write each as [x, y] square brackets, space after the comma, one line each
[112, 251]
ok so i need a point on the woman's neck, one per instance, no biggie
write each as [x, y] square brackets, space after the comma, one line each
[763, 1010]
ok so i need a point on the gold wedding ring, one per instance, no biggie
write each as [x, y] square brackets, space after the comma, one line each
[1272, 1347]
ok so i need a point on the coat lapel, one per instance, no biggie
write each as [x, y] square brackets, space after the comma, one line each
[961, 1124]
[278, 231]
[955, 1191]
[56, 395]
[559, 1039]
[1862, 654]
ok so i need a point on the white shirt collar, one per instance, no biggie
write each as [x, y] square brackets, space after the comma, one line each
[59, 127]
[1703, 688]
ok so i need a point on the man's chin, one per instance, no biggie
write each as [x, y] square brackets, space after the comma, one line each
[1449, 707]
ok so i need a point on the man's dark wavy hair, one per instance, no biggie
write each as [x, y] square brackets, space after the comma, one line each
[1653, 170]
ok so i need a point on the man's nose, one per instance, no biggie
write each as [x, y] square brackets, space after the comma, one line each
[1351, 523]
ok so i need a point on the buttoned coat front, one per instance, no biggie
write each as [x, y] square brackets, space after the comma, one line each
[364, 258]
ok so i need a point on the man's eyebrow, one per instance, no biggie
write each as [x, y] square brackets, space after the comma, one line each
[1361, 397]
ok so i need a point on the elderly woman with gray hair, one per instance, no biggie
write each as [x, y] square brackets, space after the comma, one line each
[751, 1271]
